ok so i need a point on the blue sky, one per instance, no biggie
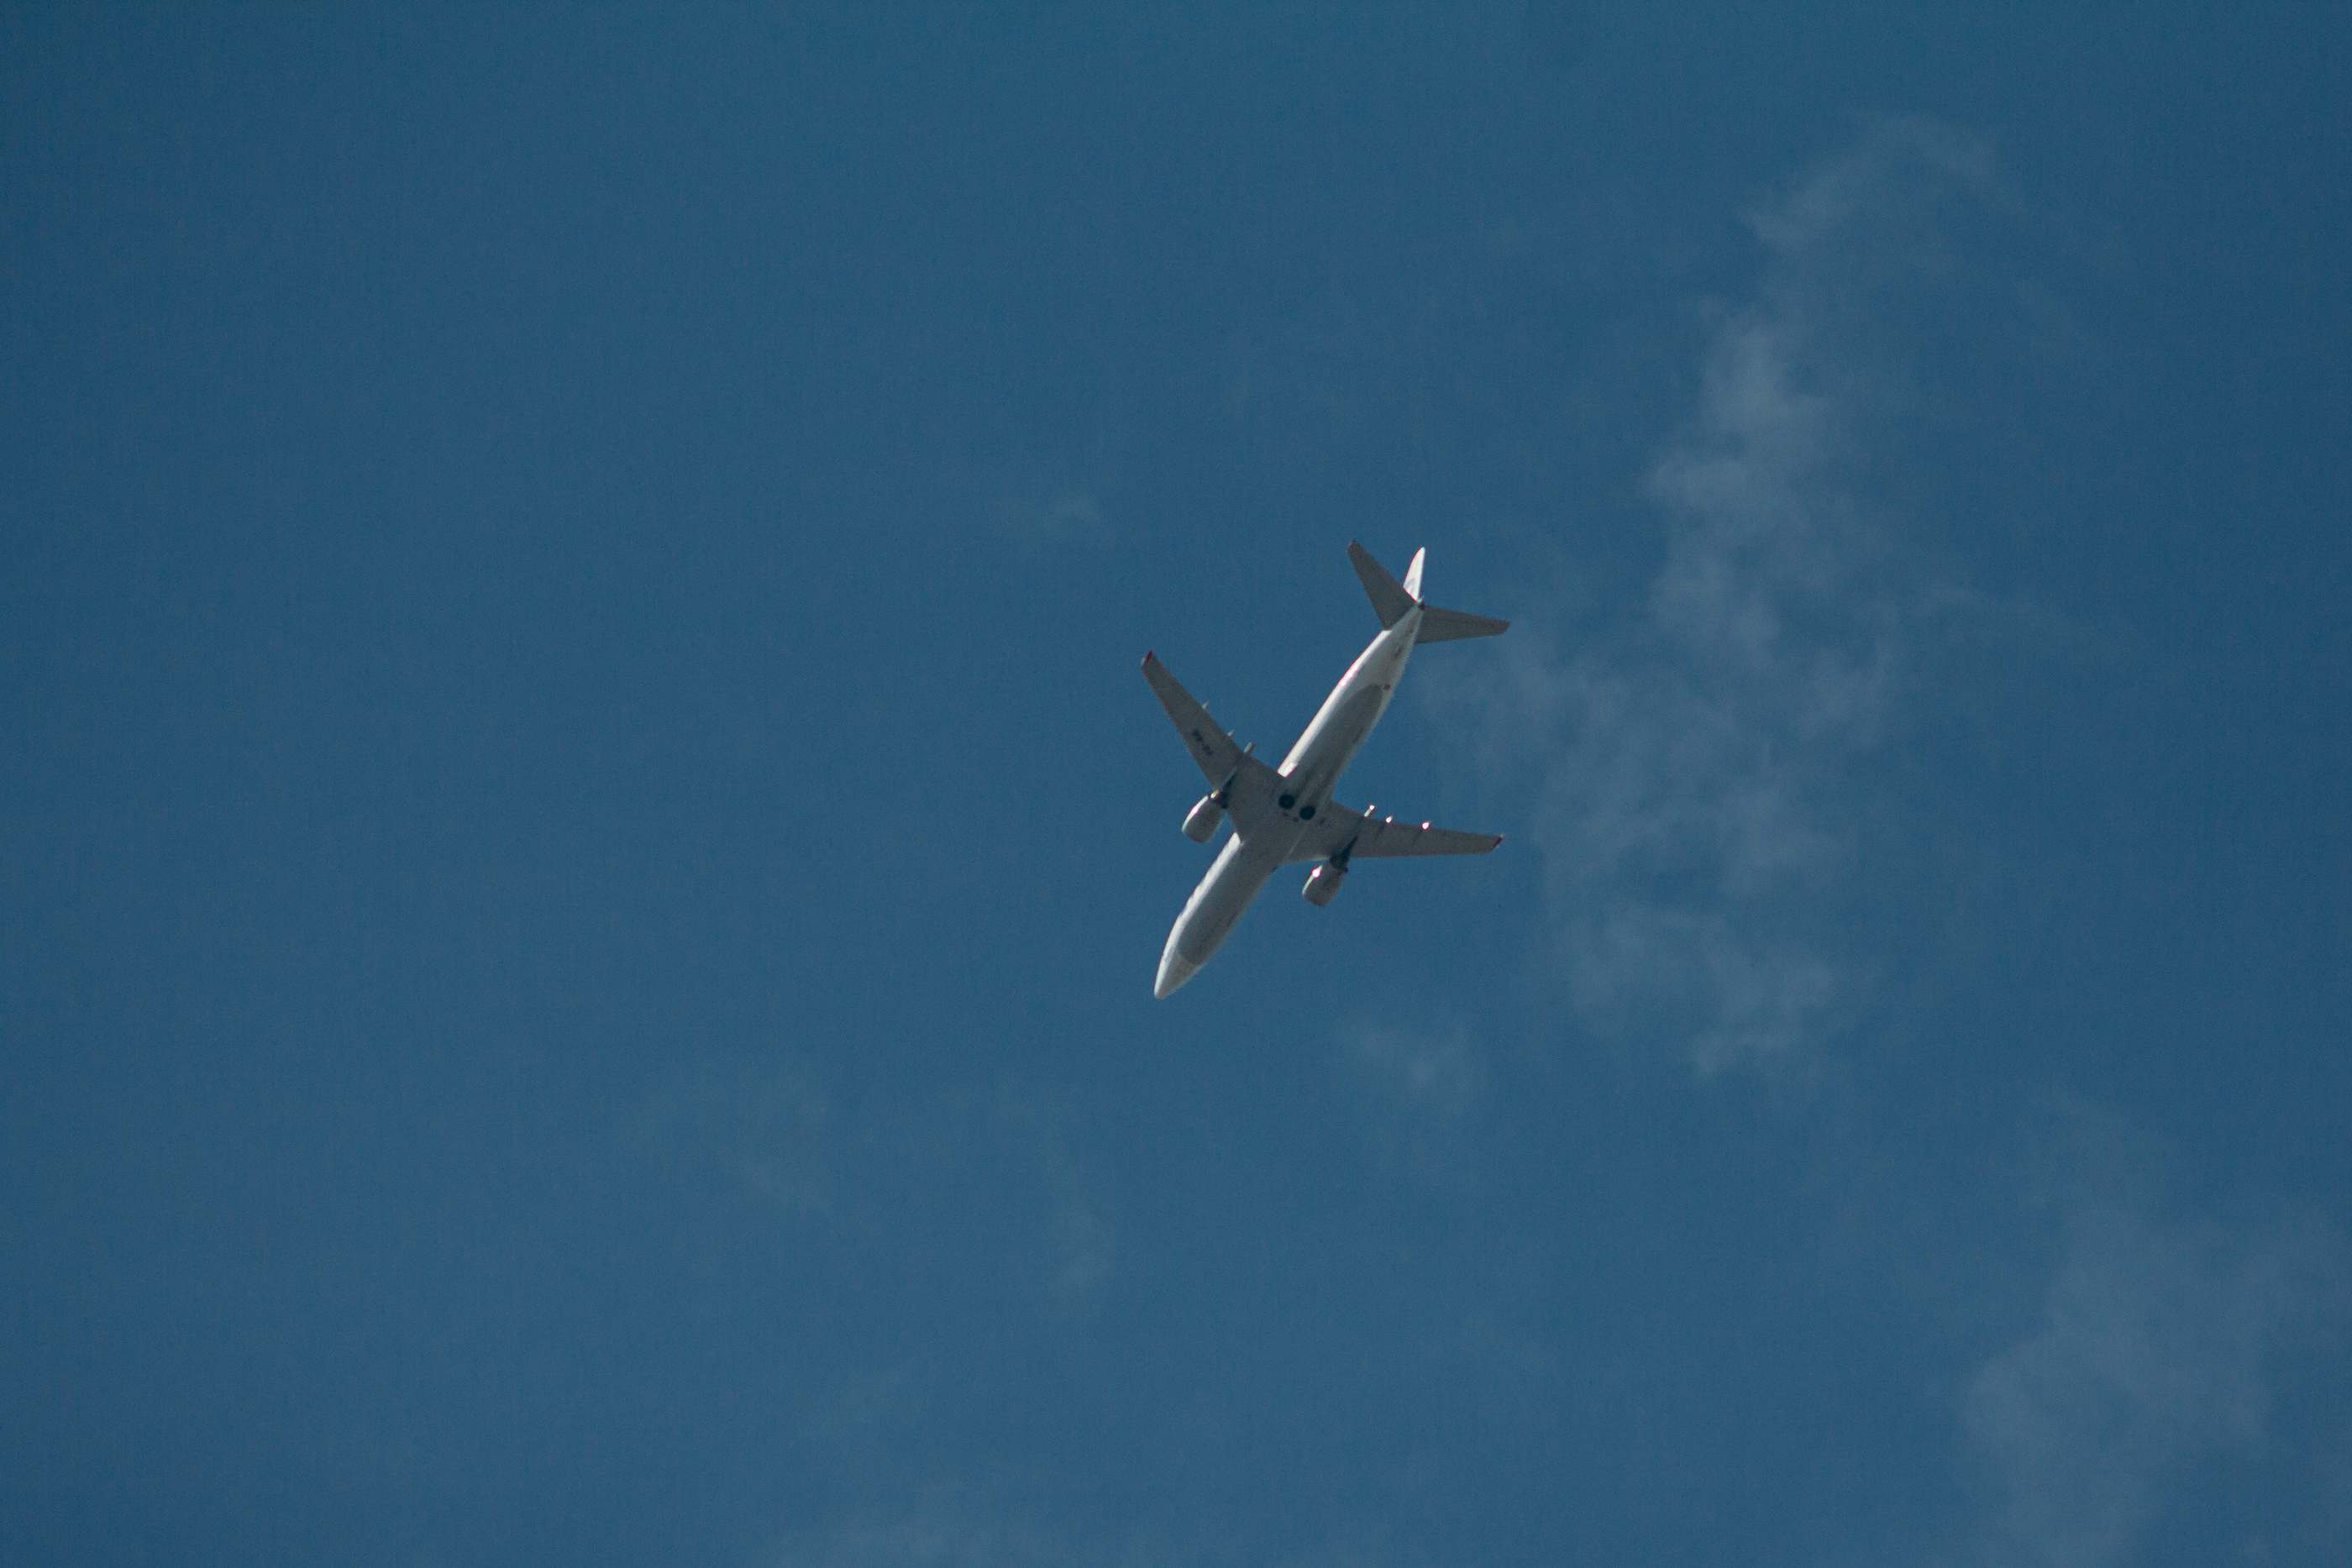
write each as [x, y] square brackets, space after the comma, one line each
[585, 851]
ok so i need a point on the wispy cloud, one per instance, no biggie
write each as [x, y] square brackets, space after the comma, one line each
[1699, 795]
[1058, 488]
[1417, 1090]
[774, 1132]
[935, 1537]
[770, 1140]
[2162, 1339]
[950, 1529]
[1081, 1236]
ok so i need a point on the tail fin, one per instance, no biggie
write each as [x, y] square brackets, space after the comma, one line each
[1393, 599]
[1388, 595]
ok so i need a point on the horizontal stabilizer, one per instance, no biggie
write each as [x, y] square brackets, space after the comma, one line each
[1450, 626]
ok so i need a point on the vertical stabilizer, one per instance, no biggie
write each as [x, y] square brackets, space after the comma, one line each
[1388, 596]
[1412, 574]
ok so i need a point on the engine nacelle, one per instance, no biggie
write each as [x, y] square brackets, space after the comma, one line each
[1201, 821]
[1323, 884]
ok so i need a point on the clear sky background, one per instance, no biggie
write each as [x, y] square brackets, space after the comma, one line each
[583, 852]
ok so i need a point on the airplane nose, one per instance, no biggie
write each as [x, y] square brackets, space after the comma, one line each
[1174, 971]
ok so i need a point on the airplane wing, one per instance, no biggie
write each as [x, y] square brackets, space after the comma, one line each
[1248, 784]
[1210, 746]
[1359, 835]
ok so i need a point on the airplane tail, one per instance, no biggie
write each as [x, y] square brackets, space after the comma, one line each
[1391, 600]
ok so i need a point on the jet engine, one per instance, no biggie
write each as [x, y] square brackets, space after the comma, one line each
[1323, 883]
[1201, 821]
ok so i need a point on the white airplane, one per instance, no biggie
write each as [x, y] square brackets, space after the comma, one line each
[1286, 815]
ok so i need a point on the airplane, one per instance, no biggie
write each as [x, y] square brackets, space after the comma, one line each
[1283, 816]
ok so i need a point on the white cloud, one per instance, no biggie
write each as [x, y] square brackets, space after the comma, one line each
[1081, 1237]
[950, 1529]
[1701, 802]
[767, 1132]
[1052, 518]
[2159, 1342]
[775, 1135]
[1417, 1091]
[929, 1540]
[1438, 1073]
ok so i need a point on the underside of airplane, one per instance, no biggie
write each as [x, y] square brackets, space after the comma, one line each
[1286, 815]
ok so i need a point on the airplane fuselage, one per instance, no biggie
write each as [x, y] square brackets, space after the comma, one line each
[1309, 774]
